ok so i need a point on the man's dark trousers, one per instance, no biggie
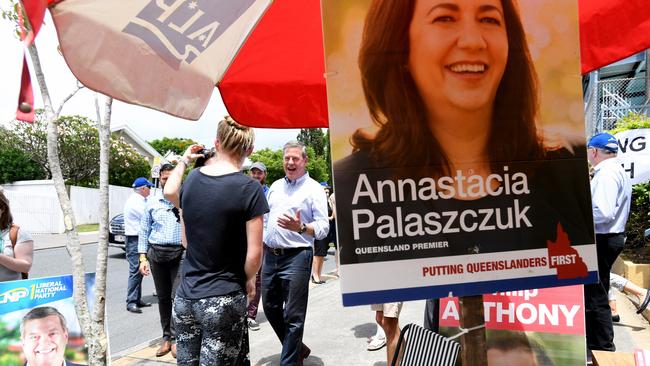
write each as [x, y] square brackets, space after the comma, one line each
[134, 285]
[166, 279]
[431, 315]
[251, 310]
[285, 280]
[598, 315]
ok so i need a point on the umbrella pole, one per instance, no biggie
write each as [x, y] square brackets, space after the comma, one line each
[472, 343]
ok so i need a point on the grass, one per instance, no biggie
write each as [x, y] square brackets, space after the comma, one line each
[87, 228]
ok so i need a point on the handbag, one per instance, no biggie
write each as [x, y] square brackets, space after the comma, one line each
[13, 236]
[164, 253]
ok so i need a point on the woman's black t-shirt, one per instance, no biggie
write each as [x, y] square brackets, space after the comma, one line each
[215, 212]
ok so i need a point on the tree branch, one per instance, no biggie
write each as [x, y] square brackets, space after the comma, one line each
[58, 111]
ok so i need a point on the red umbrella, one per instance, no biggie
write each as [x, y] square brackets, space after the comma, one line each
[611, 30]
[277, 79]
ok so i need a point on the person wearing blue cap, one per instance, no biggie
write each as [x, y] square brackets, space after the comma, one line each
[611, 193]
[133, 209]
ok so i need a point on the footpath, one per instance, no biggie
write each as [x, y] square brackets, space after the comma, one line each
[338, 335]
[51, 241]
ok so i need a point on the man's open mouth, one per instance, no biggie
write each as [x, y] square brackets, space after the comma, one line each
[44, 351]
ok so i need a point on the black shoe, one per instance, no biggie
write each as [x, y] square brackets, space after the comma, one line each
[133, 308]
[142, 304]
[304, 353]
[616, 318]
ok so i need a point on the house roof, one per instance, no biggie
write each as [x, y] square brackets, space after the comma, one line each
[142, 144]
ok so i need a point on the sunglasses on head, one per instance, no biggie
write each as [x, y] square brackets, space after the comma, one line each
[176, 213]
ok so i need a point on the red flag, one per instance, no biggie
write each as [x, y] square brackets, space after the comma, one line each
[25, 111]
[611, 30]
[166, 55]
[277, 79]
[35, 10]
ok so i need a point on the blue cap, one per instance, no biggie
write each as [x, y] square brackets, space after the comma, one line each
[141, 181]
[604, 141]
[324, 184]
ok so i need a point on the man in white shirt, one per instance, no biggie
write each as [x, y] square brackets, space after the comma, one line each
[298, 216]
[611, 193]
[133, 210]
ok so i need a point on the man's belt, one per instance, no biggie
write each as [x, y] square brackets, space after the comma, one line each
[284, 251]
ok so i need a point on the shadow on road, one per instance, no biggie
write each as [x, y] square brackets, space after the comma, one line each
[365, 330]
[120, 255]
[632, 327]
[274, 360]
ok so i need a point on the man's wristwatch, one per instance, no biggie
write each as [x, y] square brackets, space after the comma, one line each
[303, 228]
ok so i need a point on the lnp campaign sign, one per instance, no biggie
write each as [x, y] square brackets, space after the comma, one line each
[29, 302]
[458, 146]
[544, 326]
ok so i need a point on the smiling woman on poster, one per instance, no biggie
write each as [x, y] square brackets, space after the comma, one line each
[457, 165]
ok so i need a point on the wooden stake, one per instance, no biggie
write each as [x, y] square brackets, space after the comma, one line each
[472, 344]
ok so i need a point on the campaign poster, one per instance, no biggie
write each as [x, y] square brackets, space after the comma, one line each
[634, 153]
[533, 327]
[458, 147]
[35, 303]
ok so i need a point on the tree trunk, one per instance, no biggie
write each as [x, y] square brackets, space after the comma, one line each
[73, 246]
[472, 345]
[104, 128]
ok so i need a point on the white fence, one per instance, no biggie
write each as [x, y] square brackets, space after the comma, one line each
[35, 205]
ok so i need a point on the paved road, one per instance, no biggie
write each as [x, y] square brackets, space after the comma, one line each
[126, 330]
[336, 335]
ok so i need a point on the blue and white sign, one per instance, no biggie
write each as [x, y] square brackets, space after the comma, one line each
[17, 298]
[634, 153]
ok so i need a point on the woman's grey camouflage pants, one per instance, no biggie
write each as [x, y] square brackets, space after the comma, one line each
[212, 331]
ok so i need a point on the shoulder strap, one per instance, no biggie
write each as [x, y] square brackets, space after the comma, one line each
[13, 234]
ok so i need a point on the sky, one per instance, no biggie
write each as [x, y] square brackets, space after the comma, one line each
[147, 123]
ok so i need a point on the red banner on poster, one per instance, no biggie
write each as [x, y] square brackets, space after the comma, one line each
[550, 310]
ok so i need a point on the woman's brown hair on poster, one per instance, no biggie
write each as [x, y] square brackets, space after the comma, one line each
[483, 63]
